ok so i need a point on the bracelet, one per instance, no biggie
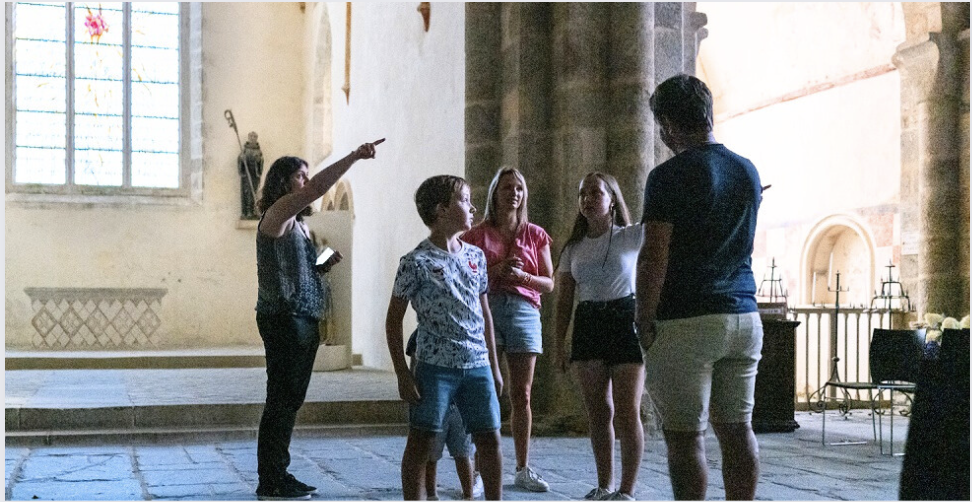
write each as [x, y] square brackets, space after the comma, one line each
[528, 281]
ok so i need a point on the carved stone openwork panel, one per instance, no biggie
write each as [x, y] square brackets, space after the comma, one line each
[95, 318]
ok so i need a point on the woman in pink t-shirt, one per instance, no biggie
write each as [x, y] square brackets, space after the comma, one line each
[520, 269]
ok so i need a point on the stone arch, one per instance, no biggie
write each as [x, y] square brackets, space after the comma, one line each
[320, 130]
[342, 197]
[838, 243]
[327, 202]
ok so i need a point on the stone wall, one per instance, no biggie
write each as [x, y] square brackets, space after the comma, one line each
[934, 183]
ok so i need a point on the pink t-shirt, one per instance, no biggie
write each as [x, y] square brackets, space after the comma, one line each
[527, 245]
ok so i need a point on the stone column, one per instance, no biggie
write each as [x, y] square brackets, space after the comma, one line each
[578, 109]
[526, 102]
[631, 75]
[963, 216]
[678, 32]
[484, 78]
[931, 189]
[580, 102]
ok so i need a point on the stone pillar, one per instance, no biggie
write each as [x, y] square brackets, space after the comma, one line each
[678, 32]
[963, 216]
[558, 90]
[932, 198]
[526, 102]
[631, 74]
[580, 102]
[484, 78]
[578, 110]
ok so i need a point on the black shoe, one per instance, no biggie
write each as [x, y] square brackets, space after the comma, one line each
[281, 492]
[290, 480]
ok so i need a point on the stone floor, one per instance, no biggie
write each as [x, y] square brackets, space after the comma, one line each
[348, 466]
[352, 461]
[143, 387]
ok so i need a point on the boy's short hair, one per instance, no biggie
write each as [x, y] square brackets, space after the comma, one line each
[434, 191]
[685, 101]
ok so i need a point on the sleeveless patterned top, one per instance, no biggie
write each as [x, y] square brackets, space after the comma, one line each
[288, 283]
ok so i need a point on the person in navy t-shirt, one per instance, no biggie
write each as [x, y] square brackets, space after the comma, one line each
[696, 315]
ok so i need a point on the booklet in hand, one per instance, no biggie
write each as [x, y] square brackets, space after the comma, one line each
[324, 256]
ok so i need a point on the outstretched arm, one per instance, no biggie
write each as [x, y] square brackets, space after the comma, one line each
[275, 221]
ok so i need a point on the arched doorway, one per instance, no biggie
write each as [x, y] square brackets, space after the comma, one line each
[837, 244]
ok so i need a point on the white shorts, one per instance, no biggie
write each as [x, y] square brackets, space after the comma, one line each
[703, 369]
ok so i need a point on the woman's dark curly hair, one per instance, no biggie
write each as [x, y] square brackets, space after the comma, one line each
[277, 183]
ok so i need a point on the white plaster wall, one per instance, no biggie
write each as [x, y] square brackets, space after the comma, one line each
[829, 152]
[757, 51]
[407, 86]
[825, 150]
[832, 152]
[251, 66]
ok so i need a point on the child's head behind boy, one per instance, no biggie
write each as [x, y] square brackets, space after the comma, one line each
[444, 204]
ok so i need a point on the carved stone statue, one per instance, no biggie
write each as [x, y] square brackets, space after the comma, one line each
[250, 166]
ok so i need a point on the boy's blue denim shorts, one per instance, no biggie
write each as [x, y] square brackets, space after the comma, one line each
[472, 390]
[516, 323]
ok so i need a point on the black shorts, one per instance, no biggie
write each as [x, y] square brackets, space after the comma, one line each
[606, 331]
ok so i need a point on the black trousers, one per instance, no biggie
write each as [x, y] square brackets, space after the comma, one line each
[291, 343]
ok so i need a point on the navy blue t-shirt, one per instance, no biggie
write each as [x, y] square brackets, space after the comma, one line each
[710, 196]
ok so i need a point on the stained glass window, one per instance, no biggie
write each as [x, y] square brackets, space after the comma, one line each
[97, 95]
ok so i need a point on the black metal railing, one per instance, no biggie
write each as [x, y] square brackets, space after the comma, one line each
[821, 337]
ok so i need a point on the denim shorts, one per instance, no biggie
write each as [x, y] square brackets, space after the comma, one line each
[453, 436]
[703, 369]
[472, 390]
[516, 323]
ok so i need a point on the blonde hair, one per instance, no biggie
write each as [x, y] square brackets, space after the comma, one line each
[489, 215]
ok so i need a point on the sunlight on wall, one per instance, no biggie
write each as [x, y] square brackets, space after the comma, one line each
[808, 93]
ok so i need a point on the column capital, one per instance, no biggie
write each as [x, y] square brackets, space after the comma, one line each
[697, 22]
[928, 66]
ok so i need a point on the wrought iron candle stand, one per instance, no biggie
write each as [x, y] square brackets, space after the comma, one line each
[776, 308]
[888, 296]
[776, 289]
[818, 404]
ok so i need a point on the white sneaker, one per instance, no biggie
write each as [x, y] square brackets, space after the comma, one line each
[618, 495]
[598, 494]
[528, 479]
[477, 488]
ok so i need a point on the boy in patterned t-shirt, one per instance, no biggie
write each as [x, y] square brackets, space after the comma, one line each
[445, 281]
